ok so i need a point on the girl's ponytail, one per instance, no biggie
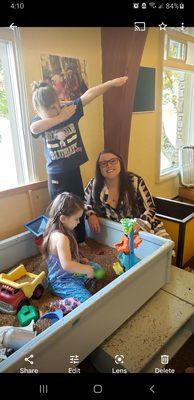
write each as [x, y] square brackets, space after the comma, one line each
[44, 95]
[38, 84]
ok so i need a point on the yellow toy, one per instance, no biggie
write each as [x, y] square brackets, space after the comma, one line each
[29, 283]
[117, 268]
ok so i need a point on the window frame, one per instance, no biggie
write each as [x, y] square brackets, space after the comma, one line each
[11, 55]
[175, 39]
[173, 64]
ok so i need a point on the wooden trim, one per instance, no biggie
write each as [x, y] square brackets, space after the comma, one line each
[179, 35]
[168, 175]
[178, 65]
[180, 246]
[31, 204]
[186, 193]
[169, 218]
[23, 189]
[159, 87]
[173, 201]
[181, 221]
[173, 205]
[186, 219]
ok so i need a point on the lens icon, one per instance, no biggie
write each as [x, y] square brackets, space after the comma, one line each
[119, 359]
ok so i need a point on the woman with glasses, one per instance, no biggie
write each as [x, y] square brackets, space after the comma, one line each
[115, 193]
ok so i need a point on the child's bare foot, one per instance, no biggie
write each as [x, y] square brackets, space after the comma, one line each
[82, 244]
[190, 370]
[84, 260]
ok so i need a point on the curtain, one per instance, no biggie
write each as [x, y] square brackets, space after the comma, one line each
[122, 50]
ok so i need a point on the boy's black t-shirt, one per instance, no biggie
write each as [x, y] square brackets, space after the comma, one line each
[63, 146]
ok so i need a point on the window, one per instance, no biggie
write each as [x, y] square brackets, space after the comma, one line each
[183, 30]
[177, 111]
[16, 164]
[172, 112]
[177, 50]
[177, 116]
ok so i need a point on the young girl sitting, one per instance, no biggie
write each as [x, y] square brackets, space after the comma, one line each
[61, 250]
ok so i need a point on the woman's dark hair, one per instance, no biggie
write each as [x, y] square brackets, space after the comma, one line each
[44, 95]
[64, 204]
[126, 185]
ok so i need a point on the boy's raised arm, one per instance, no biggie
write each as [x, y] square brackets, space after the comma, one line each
[66, 112]
[96, 91]
[43, 124]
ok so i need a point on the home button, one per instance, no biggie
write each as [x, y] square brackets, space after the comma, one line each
[97, 389]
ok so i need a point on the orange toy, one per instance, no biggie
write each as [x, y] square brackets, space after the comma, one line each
[137, 241]
[123, 245]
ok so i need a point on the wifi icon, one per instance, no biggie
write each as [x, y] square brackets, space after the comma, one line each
[152, 5]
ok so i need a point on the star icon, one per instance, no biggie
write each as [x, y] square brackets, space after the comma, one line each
[162, 26]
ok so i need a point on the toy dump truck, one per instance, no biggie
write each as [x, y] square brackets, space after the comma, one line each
[17, 287]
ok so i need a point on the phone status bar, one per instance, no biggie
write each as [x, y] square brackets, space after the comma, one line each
[153, 5]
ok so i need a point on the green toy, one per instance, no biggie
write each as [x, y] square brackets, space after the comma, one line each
[128, 224]
[99, 272]
[26, 315]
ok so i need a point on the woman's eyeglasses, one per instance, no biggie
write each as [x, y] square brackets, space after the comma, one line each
[112, 161]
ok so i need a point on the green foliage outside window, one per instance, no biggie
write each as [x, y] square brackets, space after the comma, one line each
[3, 97]
[169, 93]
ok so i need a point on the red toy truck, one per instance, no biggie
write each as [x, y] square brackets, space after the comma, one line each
[17, 287]
[11, 299]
